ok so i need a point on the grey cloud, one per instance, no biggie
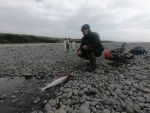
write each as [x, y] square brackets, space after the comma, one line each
[117, 20]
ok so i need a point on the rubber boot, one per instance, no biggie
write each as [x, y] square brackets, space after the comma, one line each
[92, 59]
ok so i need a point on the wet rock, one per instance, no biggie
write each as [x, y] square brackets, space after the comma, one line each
[4, 96]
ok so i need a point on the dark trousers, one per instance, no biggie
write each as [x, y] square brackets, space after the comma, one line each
[90, 54]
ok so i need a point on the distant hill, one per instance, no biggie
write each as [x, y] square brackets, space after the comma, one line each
[79, 41]
[8, 38]
[17, 38]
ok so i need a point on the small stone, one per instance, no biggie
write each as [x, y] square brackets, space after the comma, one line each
[4, 96]
[141, 105]
[62, 89]
[37, 111]
[123, 104]
[64, 95]
[94, 109]
[136, 86]
[87, 104]
[128, 82]
[129, 109]
[130, 93]
[106, 111]
[69, 95]
[67, 90]
[1, 101]
[146, 90]
[16, 92]
[81, 93]
[147, 105]
[60, 111]
[82, 100]
[108, 93]
[15, 100]
[108, 101]
[13, 96]
[111, 87]
[121, 76]
[119, 108]
[147, 100]
[123, 96]
[75, 92]
[118, 91]
[75, 111]
[48, 107]
[84, 109]
[37, 100]
[147, 96]
[93, 103]
[45, 101]
[141, 99]
[85, 89]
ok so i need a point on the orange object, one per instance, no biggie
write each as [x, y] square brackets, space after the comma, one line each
[108, 55]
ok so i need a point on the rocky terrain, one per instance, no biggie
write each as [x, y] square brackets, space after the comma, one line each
[116, 88]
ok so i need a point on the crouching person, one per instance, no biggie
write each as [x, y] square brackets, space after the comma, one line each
[90, 47]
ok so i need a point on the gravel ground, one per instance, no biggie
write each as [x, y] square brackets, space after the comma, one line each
[123, 88]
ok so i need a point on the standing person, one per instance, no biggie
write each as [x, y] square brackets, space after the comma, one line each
[65, 49]
[67, 44]
[90, 47]
[73, 46]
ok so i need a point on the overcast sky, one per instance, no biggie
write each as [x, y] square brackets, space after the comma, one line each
[115, 20]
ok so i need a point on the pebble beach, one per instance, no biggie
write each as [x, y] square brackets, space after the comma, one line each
[121, 88]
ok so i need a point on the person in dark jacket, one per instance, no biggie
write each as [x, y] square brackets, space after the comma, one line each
[90, 47]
